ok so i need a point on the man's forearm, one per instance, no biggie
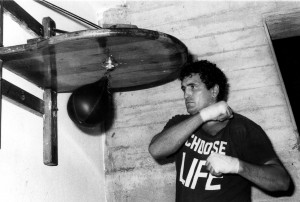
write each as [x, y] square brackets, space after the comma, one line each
[271, 177]
[169, 141]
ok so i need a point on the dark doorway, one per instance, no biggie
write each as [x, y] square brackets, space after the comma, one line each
[287, 51]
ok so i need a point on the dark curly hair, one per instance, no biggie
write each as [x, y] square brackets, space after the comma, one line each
[210, 75]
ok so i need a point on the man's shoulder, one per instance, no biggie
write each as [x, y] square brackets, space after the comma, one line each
[180, 117]
[241, 118]
[242, 122]
[176, 119]
[240, 128]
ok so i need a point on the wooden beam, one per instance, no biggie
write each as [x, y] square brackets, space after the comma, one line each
[50, 99]
[23, 16]
[49, 26]
[1, 23]
[0, 100]
[22, 98]
[50, 129]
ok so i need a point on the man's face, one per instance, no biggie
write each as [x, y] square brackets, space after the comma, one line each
[196, 95]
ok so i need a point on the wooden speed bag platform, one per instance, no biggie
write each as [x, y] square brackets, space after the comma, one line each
[131, 58]
[140, 58]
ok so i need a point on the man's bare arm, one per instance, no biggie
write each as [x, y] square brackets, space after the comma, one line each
[271, 176]
[170, 140]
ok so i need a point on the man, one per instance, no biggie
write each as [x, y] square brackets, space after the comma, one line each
[218, 153]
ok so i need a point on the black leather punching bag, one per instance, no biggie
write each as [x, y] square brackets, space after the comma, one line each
[88, 105]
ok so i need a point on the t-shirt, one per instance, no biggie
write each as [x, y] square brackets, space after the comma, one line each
[241, 138]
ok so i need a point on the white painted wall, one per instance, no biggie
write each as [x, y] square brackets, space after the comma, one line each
[79, 175]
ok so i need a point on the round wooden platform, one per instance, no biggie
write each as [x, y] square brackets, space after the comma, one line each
[144, 58]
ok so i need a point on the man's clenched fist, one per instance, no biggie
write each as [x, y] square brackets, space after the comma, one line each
[219, 111]
[218, 164]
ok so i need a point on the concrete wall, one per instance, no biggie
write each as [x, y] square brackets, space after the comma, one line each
[79, 175]
[232, 35]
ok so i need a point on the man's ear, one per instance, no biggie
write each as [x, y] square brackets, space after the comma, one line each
[215, 91]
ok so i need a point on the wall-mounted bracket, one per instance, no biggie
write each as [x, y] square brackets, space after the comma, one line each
[47, 108]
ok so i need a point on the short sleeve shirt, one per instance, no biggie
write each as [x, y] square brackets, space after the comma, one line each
[241, 138]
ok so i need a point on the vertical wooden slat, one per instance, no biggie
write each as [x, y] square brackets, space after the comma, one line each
[49, 26]
[1, 23]
[50, 99]
[50, 128]
[0, 100]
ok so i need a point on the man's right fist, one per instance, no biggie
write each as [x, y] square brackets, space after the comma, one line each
[219, 111]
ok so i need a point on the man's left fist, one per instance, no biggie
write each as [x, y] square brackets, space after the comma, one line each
[218, 164]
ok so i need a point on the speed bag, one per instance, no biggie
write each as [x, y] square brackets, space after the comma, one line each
[88, 105]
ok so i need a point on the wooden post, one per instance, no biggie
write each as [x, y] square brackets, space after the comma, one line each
[1, 23]
[49, 26]
[0, 100]
[50, 99]
[50, 128]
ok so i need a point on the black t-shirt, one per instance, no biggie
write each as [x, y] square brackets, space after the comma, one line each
[241, 138]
